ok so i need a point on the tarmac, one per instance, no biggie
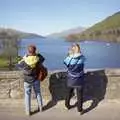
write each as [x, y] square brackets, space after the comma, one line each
[105, 110]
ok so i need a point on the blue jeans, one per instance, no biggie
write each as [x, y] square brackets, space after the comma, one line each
[28, 88]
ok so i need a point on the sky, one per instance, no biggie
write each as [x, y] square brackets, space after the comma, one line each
[50, 16]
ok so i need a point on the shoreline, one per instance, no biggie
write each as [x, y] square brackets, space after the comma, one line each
[85, 70]
[63, 70]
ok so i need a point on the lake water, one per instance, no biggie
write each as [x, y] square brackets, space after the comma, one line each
[99, 55]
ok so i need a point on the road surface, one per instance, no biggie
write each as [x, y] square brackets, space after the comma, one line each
[106, 110]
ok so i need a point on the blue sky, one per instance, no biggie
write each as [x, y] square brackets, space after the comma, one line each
[49, 16]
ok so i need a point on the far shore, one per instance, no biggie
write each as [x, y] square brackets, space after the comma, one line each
[65, 70]
[85, 70]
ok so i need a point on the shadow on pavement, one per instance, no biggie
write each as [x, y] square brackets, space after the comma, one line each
[94, 88]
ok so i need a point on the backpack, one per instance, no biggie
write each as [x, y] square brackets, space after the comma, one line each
[42, 72]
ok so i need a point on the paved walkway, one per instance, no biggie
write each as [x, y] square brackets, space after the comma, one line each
[106, 110]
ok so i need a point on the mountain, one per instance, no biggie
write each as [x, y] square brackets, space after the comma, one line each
[65, 33]
[106, 30]
[4, 33]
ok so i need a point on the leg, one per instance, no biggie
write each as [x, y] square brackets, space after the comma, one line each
[36, 86]
[68, 97]
[27, 89]
[79, 99]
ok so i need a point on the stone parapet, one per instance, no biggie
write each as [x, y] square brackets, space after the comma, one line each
[99, 84]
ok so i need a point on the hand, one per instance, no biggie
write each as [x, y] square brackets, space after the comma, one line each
[70, 52]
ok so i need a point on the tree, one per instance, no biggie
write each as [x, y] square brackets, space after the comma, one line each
[9, 45]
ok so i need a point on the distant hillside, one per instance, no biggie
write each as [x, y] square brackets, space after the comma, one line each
[4, 33]
[107, 30]
[65, 33]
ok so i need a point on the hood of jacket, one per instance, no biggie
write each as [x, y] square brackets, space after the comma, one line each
[31, 60]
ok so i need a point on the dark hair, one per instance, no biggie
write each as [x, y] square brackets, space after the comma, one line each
[78, 46]
[31, 49]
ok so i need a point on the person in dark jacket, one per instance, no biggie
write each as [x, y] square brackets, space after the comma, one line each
[75, 76]
[28, 64]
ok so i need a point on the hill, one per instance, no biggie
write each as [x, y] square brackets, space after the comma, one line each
[9, 46]
[65, 33]
[5, 33]
[106, 30]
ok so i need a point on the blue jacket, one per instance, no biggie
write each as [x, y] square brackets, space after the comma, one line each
[75, 66]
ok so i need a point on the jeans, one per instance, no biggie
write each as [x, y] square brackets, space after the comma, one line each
[27, 89]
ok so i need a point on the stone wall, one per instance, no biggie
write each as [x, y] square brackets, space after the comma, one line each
[99, 84]
[11, 84]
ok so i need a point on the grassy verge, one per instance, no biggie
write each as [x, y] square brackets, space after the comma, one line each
[3, 63]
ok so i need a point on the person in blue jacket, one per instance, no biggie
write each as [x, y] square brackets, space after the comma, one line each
[75, 76]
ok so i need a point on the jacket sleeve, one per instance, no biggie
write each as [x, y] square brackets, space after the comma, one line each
[20, 65]
[82, 60]
[41, 58]
[67, 60]
[23, 66]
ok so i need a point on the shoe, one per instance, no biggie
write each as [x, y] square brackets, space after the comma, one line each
[68, 107]
[28, 113]
[81, 111]
[40, 109]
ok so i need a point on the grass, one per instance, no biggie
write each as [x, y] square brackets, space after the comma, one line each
[109, 23]
[3, 63]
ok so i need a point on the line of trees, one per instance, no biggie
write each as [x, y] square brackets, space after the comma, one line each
[107, 35]
[9, 46]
